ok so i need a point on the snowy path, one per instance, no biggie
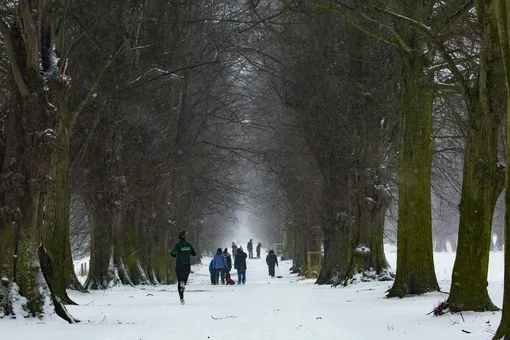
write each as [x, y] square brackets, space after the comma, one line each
[263, 309]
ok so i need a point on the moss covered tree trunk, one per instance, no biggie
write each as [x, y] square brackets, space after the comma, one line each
[299, 260]
[415, 264]
[57, 215]
[370, 205]
[28, 145]
[101, 273]
[7, 242]
[483, 178]
[503, 22]
[26, 263]
[337, 242]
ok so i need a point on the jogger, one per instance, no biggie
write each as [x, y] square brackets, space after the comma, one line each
[182, 252]
[182, 273]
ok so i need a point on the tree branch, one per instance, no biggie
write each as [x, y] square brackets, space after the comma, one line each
[351, 19]
[5, 32]
[461, 11]
[95, 82]
[427, 34]
[30, 33]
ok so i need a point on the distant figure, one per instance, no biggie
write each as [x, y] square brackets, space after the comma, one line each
[249, 246]
[234, 249]
[271, 261]
[219, 267]
[182, 252]
[240, 265]
[259, 246]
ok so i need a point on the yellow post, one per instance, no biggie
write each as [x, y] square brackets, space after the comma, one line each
[311, 266]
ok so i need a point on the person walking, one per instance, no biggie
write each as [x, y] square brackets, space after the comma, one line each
[259, 246]
[219, 266]
[234, 249]
[271, 261]
[181, 253]
[240, 265]
[249, 246]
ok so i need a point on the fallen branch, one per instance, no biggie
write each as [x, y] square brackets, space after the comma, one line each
[226, 317]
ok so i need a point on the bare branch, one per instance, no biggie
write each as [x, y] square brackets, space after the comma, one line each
[5, 32]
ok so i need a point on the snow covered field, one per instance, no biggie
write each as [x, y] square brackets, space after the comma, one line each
[265, 309]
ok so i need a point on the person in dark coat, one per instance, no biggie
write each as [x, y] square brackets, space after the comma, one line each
[219, 266]
[228, 258]
[240, 265]
[271, 261]
[259, 246]
[249, 246]
[182, 252]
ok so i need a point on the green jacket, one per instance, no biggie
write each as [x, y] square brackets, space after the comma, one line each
[182, 251]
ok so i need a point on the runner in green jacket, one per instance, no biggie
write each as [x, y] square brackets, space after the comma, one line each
[182, 252]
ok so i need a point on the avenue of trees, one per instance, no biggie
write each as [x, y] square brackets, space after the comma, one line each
[123, 122]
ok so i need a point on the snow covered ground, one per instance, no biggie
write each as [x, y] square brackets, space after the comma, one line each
[265, 309]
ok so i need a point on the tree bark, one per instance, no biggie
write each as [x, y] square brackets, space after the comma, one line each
[101, 273]
[57, 215]
[502, 10]
[483, 178]
[415, 264]
[337, 245]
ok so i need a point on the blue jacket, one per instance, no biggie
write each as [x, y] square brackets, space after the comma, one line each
[219, 261]
[211, 266]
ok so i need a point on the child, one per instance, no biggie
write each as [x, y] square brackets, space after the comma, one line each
[211, 271]
[229, 280]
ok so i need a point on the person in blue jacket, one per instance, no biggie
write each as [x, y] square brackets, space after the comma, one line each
[211, 271]
[219, 266]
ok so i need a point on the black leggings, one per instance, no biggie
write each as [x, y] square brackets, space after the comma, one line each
[182, 273]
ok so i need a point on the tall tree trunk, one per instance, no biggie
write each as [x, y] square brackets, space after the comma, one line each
[503, 22]
[482, 181]
[337, 241]
[29, 144]
[57, 215]
[101, 271]
[25, 271]
[367, 243]
[299, 260]
[415, 264]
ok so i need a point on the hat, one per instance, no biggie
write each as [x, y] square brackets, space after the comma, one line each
[225, 250]
[218, 251]
[182, 235]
